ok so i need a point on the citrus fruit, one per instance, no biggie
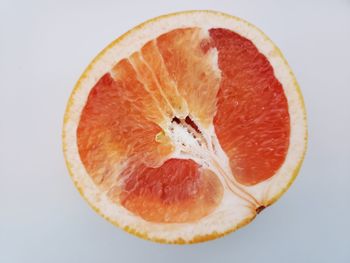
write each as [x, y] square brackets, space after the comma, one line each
[185, 128]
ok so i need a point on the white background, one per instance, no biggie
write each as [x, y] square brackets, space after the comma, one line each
[45, 46]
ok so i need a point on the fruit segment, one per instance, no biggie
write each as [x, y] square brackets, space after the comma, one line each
[193, 67]
[166, 84]
[252, 119]
[177, 192]
[114, 127]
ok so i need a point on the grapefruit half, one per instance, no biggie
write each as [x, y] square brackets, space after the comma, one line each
[185, 128]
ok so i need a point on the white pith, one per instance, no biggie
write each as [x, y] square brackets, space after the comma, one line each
[233, 210]
[204, 148]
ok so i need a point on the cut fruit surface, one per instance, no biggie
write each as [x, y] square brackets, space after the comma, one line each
[184, 128]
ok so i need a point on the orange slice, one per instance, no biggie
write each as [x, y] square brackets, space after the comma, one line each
[185, 128]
